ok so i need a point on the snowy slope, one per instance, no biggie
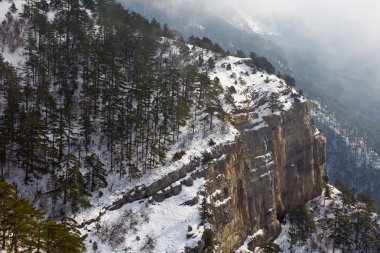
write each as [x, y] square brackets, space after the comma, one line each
[14, 58]
[149, 226]
[349, 157]
[164, 225]
[321, 208]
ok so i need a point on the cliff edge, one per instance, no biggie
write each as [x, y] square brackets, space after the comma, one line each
[266, 172]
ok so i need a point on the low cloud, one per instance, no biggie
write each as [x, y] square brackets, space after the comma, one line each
[341, 33]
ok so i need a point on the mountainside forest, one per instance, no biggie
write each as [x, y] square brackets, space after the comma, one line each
[94, 97]
[95, 93]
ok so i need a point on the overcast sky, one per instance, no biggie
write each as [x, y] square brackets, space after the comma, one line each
[351, 23]
[340, 32]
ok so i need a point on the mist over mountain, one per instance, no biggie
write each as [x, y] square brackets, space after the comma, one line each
[332, 49]
[335, 44]
[120, 134]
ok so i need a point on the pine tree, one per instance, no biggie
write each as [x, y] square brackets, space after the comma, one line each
[97, 173]
[303, 224]
[271, 247]
[339, 227]
[274, 103]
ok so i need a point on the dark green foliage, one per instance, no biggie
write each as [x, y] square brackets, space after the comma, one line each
[228, 66]
[211, 142]
[327, 191]
[339, 227]
[178, 155]
[232, 90]
[211, 63]
[206, 157]
[365, 231]
[274, 103]
[95, 246]
[206, 43]
[240, 54]
[368, 201]
[95, 83]
[262, 63]
[90, 4]
[281, 217]
[13, 8]
[271, 247]
[97, 174]
[290, 81]
[349, 195]
[204, 211]
[302, 222]
[208, 239]
[23, 226]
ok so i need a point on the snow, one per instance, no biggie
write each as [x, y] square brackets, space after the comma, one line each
[244, 247]
[356, 142]
[318, 213]
[250, 89]
[167, 222]
[222, 203]
[4, 8]
[320, 208]
[16, 58]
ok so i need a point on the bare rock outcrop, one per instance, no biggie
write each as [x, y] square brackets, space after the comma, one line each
[264, 173]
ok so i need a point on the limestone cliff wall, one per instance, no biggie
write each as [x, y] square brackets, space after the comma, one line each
[265, 172]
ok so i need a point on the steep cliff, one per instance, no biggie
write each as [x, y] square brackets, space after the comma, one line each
[259, 160]
[267, 171]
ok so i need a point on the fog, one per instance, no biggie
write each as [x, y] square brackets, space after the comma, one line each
[339, 37]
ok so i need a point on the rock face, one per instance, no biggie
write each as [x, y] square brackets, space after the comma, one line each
[264, 173]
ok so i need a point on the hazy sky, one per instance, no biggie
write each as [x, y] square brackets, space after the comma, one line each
[341, 33]
[354, 23]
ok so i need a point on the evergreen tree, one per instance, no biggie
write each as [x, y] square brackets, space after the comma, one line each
[97, 173]
[274, 103]
[303, 224]
[22, 226]
[271, 247]
[339, 227]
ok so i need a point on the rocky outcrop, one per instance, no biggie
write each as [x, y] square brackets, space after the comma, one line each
[275, 163]
[264, 173]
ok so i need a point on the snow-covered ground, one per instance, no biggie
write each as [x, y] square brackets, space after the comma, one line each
[320, 208]
[14, 58]
[165, 225]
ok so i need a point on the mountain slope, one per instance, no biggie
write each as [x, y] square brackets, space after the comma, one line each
[294, 54]
[149, 143]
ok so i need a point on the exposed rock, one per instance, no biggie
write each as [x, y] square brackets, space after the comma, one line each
[261, 174]
[265, 172]
[192, 201]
